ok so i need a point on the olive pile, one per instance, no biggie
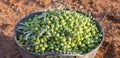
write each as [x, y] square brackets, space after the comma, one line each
[59, 31]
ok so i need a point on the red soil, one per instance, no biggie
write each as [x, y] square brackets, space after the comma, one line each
[106, 12]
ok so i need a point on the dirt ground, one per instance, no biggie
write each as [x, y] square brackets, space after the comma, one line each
[106, 12]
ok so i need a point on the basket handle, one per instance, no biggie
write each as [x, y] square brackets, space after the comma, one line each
[67, 54]
[56, 2]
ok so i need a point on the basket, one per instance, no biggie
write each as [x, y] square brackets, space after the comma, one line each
[90, 54]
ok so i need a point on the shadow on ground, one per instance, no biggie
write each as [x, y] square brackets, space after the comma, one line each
[9, 49]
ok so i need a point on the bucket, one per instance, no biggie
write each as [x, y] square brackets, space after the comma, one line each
[90, 54]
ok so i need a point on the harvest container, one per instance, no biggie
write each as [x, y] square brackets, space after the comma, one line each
[90, 54]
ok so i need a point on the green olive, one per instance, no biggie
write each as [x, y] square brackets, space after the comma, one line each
[59, 31]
